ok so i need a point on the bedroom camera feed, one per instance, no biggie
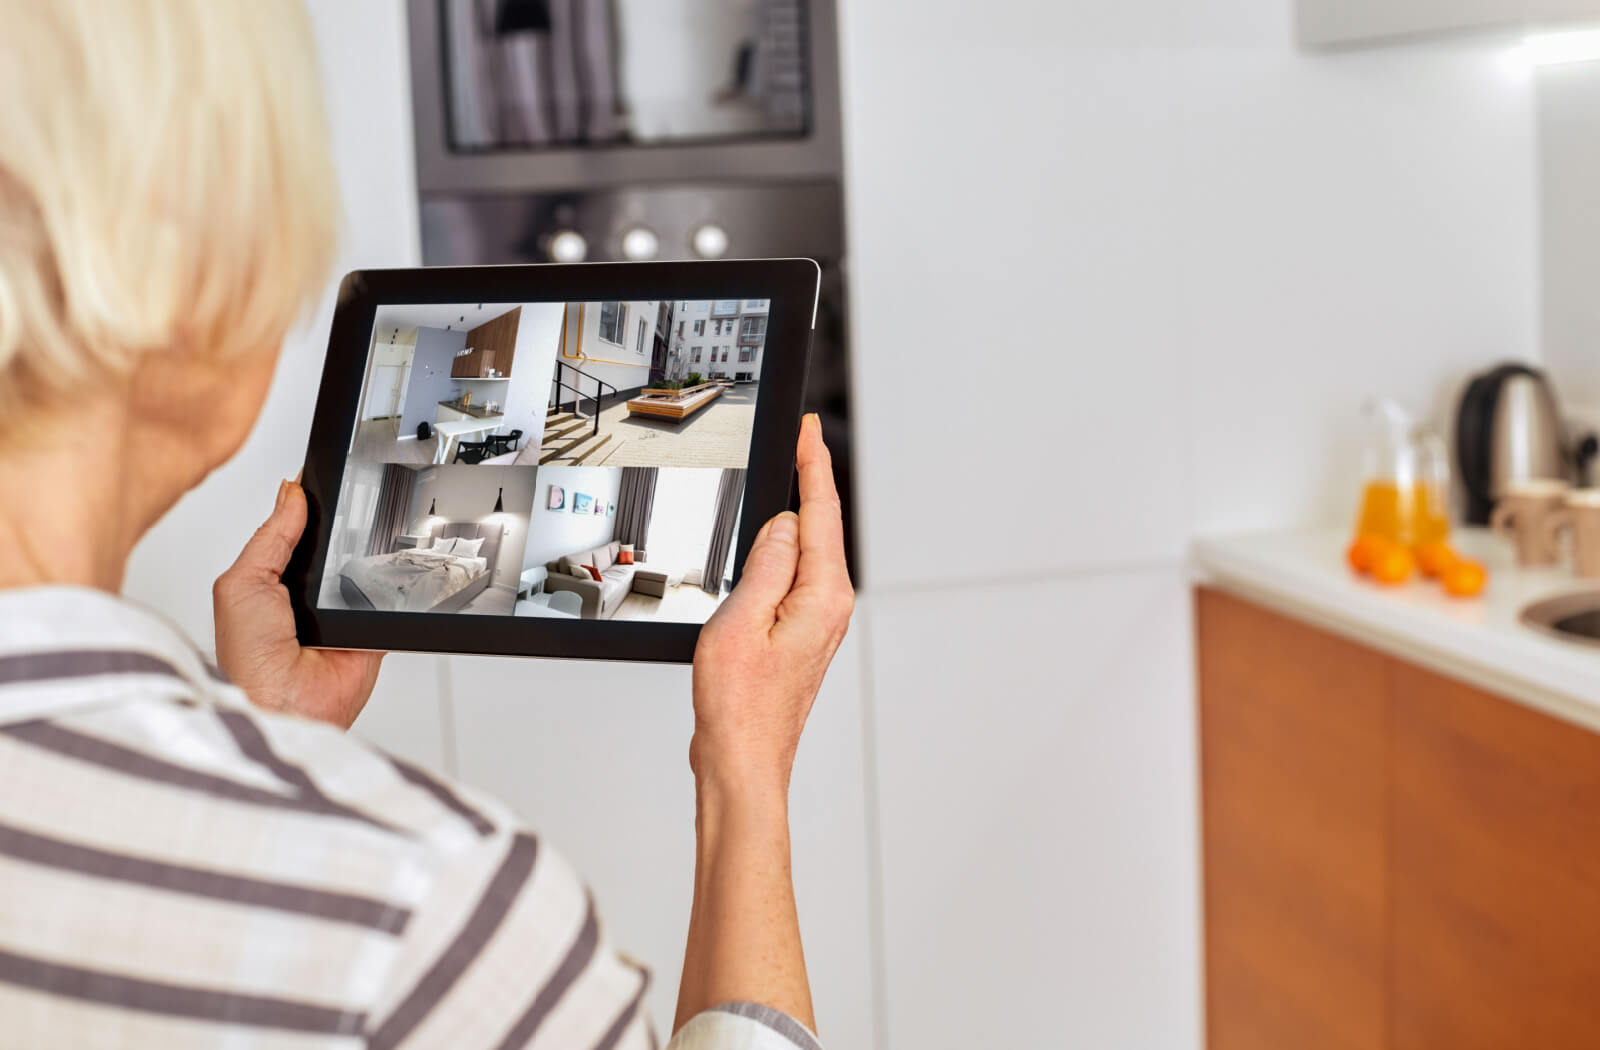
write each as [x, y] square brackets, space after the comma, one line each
[577, 460]
[441, 539]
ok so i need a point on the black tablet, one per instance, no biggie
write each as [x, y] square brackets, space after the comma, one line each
[548, 460]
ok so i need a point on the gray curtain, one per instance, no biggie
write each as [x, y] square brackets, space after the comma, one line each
[636, 499]
[394, 500]
[729, 491]
[532, 73]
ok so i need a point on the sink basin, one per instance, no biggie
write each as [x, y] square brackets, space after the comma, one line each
[1572, 617]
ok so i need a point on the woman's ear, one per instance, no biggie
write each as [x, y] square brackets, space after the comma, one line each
[209, 401]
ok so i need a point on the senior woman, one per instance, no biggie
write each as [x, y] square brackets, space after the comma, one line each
[191, 855]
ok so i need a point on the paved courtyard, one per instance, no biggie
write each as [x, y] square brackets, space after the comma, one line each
[716, 436]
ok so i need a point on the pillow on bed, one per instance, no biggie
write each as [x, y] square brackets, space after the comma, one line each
[467, 548]
[443, 546]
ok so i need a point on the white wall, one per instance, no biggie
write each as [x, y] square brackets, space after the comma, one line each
[1569, 181]
[1241, 241]
[429, 381]
[1386, 244]
[527, 394]
[556, 533]
[468, 493]
[624, 367]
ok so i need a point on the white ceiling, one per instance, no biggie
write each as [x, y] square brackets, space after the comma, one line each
[438, 315]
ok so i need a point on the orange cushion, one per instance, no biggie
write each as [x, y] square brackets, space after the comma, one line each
[625, 558]
[593, 572]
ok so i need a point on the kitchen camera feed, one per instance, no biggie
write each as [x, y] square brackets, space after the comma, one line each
[567, 460]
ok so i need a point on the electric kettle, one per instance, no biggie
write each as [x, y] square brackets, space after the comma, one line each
[1508, 429]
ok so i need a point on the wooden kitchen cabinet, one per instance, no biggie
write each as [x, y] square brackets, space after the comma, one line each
[1292, 761]
[1393, 859]
[1495, 861]
[493, 345]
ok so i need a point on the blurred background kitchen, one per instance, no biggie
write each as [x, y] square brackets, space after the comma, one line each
[1108, 284]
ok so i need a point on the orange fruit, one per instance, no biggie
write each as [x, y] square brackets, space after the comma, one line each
[1365, 551]
[1465, 578]
[1434, 558]
[1394, 565]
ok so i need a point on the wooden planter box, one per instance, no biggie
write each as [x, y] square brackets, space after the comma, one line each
[663, 404]
[676, 395]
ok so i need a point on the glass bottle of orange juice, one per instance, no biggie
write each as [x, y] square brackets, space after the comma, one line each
[1405, 495]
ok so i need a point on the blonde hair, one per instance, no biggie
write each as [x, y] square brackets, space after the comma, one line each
[164, 182]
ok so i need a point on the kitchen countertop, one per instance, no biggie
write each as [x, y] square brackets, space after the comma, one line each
[1477, 640]
[475, 411]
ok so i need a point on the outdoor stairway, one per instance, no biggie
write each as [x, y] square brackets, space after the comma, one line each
[569, 439]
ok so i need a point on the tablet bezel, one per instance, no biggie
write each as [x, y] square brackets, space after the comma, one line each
[792, 285]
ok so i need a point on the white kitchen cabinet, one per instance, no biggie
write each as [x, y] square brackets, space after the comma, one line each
[1043, 335]
[1036, 772]
[1340, 23]
[595, 757]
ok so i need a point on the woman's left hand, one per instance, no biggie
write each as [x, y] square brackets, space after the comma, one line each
[256, 643]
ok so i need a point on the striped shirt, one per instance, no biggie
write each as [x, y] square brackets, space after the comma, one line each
[178, 870]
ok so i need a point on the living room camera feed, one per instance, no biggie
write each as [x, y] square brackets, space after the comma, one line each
[631, 543]
[565, 460]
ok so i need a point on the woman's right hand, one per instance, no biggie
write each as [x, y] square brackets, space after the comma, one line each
[757, 670]
[762, 656]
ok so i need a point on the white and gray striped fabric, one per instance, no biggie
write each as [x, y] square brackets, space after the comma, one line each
[180, 870]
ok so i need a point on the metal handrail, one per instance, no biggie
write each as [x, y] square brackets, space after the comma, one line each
[599, 392]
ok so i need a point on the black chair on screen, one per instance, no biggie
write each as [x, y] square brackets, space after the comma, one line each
[473, 451]
[503, 443]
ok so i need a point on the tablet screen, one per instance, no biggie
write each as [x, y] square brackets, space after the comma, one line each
[567, 460]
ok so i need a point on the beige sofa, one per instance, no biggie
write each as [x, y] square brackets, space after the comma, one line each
[603, 597]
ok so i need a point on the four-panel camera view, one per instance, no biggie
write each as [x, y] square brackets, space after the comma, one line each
[568, 460]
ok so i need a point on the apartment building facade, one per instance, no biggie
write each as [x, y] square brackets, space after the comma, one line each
[720, 339]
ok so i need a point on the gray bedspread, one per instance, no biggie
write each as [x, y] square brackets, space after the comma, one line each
[411, 581]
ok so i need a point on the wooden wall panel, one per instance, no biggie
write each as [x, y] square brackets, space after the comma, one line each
[1292, 730]
[493, 345]
[1496, 872]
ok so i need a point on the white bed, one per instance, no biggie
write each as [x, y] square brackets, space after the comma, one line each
[422, 580]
